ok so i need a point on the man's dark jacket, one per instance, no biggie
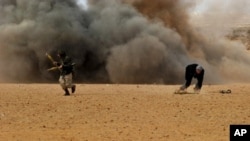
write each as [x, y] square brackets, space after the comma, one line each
[67, 65]
[190, 73]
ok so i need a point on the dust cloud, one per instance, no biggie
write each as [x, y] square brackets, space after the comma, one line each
[112, 41]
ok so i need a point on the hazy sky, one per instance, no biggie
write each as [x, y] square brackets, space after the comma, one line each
[227, 6]
[83, 3]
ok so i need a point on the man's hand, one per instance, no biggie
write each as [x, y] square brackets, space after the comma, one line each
[60, 67]
[183, 88]
[196, 90]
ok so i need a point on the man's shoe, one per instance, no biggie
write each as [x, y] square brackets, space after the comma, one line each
[73, 89]
[66, 92]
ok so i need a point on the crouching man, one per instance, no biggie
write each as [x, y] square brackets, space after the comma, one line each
[193, 71]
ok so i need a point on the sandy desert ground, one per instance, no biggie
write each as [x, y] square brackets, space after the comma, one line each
[105, 112]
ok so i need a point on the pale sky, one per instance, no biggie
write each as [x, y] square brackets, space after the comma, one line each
[235, 6]
[82, 3]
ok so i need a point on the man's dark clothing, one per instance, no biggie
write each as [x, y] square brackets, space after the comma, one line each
[67, 65]
[190, 73]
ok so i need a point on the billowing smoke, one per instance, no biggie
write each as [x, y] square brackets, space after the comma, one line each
[209, 46]
[29, 29]
[113, 41]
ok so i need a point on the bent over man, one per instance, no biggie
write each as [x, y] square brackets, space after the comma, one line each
[193, 71]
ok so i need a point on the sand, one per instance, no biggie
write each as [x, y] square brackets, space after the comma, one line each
[105, 112]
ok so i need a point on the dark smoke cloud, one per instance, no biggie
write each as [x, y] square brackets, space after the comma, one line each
[141, 52]
[31, 28]
[112, 41]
